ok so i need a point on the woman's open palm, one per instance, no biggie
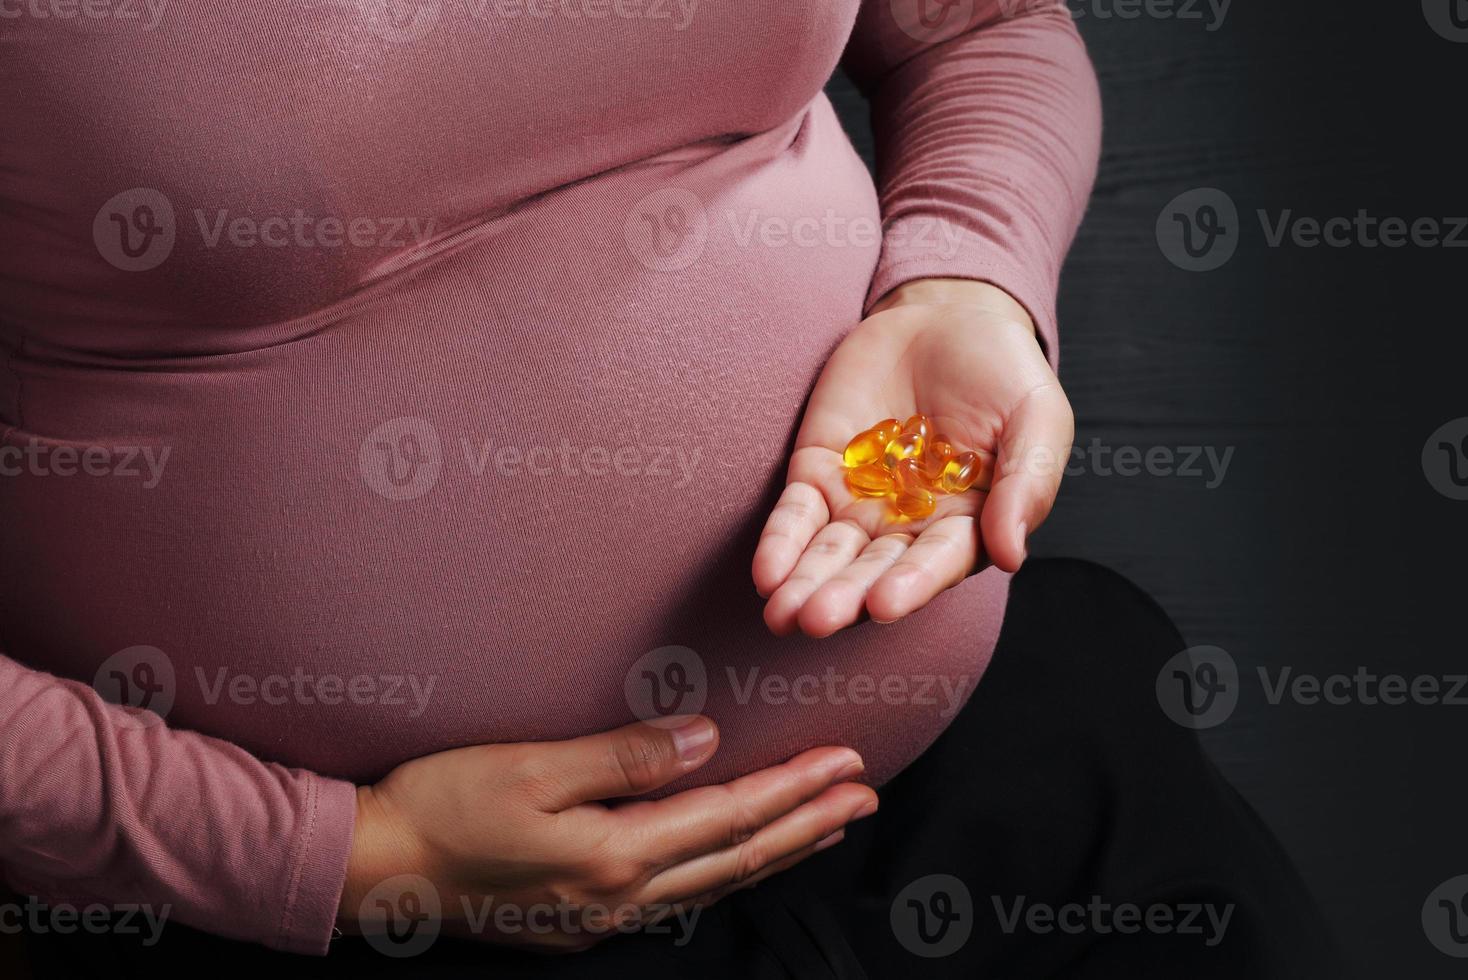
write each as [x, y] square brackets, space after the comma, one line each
[826, 555]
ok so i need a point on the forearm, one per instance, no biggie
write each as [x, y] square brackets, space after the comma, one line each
[987, 143]
[104, 805]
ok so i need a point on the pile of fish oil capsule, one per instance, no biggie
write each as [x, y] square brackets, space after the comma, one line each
[911, 463]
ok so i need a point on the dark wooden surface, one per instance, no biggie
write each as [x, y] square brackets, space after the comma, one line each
[1324, 370]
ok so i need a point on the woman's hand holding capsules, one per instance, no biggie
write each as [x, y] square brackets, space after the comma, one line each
[964, 354]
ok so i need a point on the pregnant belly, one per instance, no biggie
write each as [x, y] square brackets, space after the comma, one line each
[509, 492]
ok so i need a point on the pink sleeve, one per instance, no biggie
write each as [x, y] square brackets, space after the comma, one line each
[987, 121]
[100, 804]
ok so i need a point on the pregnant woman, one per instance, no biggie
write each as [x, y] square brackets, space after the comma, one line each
[393, 399]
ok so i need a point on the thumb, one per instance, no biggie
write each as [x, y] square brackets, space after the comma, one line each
[1033, 451]
[627, 761]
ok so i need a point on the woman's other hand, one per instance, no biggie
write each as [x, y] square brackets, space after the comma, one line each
[522, 825]
[965, 354]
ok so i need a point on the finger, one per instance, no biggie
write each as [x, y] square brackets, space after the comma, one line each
[801, 828]
[1033, 449]
[831, 550]
[800, 513]
[784, 864]
[684, 907]
[712, 818]
[941, 557]
[626, 761]
[840, 601]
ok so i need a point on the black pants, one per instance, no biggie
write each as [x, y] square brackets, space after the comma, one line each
[1061, 826]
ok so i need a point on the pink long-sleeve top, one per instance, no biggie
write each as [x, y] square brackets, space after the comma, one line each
[379, 378]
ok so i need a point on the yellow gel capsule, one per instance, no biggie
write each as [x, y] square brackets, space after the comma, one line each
[961, 472]
[986, 471]
[940, 451]
[906, 446]
[916, 503]
[867, 447]
[912, 476]
[870, 480]
[919, 425]
[888, 428]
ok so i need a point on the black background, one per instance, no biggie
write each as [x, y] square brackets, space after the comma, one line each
[1325, 548]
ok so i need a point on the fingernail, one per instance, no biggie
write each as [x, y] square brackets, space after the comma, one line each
[865, 811]
[1024, 540]
[879, 620]
[691, 740]
[851, 770]
[830, 841]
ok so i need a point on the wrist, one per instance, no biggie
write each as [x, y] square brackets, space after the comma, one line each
[376, 856]
[972, 293]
